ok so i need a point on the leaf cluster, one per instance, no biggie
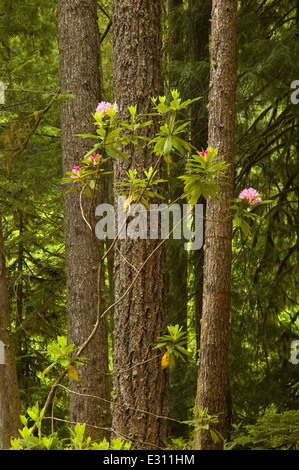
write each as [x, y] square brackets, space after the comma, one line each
[173, 342]
[59, 353]
[138, 189]
[168, 138]
[78, 440]
[206, 422]
[203, 176]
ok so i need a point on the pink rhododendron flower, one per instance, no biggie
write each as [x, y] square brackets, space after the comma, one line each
[93, 157]
[250, 194]
[104, 106]
[76, 170]
[203, 154]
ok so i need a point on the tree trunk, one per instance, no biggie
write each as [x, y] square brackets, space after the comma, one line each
[140, 384]
[177, 256]
[212, 379]
[199, 14]
[20, 343]
[80, 73]
[10, 408]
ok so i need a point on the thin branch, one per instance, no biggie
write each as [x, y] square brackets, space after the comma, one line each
[138, 410]
[106, 31]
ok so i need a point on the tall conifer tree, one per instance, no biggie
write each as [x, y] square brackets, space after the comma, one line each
[140, 384]
[10, 406]
[80, 74]
[213, 366]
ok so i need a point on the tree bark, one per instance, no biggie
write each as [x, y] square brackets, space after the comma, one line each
[80, 73]
[20, 343]
[10, 408]
[200, 14]
[177, 256]
[212, 379]
[140, 384]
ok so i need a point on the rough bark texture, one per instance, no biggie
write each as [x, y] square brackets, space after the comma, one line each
[10, 408]
[177, 256]
[80, 73]
[212, 381]
[139, 381]
[200, 14]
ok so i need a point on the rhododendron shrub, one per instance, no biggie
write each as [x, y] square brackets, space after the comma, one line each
[205, 171]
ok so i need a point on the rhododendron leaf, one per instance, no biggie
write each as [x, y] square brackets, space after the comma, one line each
[72, 373]
[181, 128]
[45, 371]
[153, 194]
[55, 349]
[145, 203]
[89, 136]
[75, 188]
[145, 124]
[160, 345]
[167, 146]
[120, 153]
[101, 132]
[171, 360]
[165, 360]
[178, 146]
[244, 227]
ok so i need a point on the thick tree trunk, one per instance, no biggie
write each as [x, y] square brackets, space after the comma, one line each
[139, 381]
[212, 380]
[10, 408]
[80, 73]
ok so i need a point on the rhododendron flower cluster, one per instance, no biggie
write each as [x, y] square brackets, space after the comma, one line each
[76, 170]
[93, 158]
[204, 153]
[250, 194]
[104, 106]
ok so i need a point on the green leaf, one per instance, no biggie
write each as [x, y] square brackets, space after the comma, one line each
[121, 154]
[55, 349]
[167, 146]
[88, 136]
[245, 227]
[160, 345]
[214, 436]
[181, 128]
[87, 191]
